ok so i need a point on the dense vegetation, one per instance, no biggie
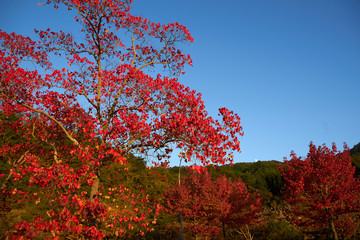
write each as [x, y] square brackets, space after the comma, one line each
[263, 177]
[98, 170]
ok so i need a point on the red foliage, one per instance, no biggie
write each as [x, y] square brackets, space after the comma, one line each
[205, 203]
[322, 188]
[126, 110]
[199, 169]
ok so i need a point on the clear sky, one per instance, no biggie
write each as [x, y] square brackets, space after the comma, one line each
[289, 68]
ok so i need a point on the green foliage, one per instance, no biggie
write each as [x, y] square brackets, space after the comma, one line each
[355, 157]
[281, 230]
[263, 176]
[355, 149]
[8, 134]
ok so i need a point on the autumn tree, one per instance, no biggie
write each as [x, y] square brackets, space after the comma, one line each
[322, 189]
[208, 205]
[125, 109]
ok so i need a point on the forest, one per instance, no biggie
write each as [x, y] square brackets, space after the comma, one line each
[89, 125]
[149, 205]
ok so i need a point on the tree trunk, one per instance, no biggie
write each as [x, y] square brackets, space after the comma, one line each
[332, 226]
[196, 236]
[95, 186]
[224, 232]
[15, 165]
[181, 228]
[4, 185]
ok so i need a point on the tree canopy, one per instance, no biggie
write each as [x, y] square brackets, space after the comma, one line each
[322, 188]
[124, 112]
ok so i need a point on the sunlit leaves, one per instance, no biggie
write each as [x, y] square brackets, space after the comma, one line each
[322, 187]
[206, 204]
[98, 104]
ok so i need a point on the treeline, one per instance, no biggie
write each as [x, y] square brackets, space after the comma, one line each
[263, 177]
[137, 196]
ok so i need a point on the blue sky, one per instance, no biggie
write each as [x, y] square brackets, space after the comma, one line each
[290, 69]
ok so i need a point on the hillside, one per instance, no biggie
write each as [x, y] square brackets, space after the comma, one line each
[355, 157]
[150, 183]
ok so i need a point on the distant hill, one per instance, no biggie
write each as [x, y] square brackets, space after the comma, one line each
[263, 176]
[355, 157]
[355, 149]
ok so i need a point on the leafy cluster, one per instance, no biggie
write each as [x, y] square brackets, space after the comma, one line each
[62, 148]
[78, 171]
[208, 205]
[323, 189]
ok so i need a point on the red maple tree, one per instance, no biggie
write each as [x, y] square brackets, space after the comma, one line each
[322, 188]
[124, 109]
[207, 205]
